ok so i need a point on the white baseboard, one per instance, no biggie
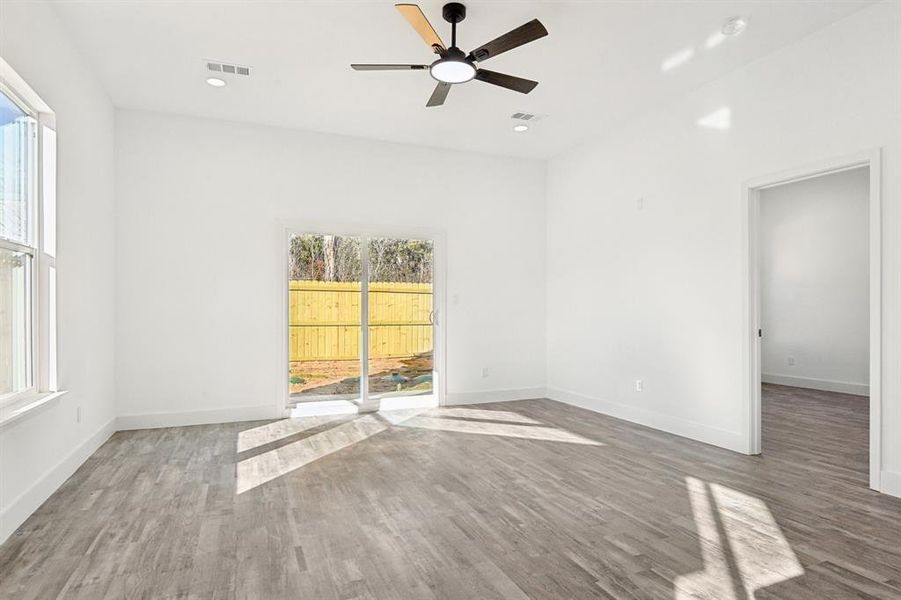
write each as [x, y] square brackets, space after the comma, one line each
[31, 499]
[730, 440]
[198, 417]
[493, 396]
[844, 387]
[890, 481]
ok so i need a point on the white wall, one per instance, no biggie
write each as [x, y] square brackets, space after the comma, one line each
[200, 272]
[814, 282]
[657, 294]
[39, 452]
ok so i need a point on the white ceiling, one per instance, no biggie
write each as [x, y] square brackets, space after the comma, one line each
[600, 63]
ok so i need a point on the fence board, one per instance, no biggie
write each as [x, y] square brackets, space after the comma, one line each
[324, 320]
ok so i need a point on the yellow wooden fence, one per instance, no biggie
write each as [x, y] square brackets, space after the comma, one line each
[324, 320]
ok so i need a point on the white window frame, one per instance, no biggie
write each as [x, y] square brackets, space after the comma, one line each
[43, 335]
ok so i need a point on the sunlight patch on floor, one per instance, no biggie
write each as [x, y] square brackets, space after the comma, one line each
[486, 415]
[396, 417]
[265, 467]
[409, 401]
[742, 546]
[277, 430]
[526, 432]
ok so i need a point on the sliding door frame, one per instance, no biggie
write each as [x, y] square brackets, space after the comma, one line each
[365, 232]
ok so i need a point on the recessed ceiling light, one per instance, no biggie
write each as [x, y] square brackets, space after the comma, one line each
[734, 26]
[520, 128]
[216, 82]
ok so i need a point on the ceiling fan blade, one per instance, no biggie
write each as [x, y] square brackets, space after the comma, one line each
[365, 67]
[517, 84]
[523, 34]
[413, 14]
[439, 94]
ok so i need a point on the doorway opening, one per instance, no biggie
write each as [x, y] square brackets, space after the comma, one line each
[361, 322]
[814, 277]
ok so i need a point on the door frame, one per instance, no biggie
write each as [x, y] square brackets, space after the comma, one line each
[751, 360]
[368, 230]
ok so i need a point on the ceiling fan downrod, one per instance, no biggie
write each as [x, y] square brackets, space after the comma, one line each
[453, 13]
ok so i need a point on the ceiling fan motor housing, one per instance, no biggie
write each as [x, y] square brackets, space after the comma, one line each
[454, 12]
[454, 53]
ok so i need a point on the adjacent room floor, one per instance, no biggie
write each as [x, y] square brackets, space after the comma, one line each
[529, 499]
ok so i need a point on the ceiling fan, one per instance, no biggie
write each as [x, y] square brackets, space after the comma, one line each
[453, 65]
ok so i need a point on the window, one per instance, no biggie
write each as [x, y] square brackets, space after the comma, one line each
[27, 248]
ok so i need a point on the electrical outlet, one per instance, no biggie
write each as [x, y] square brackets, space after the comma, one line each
[791, 361]
[639, 204]
[484, 371]
[639, 385]
[78, 414]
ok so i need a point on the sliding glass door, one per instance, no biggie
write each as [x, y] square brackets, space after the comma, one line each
[324, 324]
[361, 320]
[400, 317]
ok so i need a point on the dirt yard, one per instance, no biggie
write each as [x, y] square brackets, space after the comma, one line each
[342, 376]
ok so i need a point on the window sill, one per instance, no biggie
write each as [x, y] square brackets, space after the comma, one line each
[21, 408]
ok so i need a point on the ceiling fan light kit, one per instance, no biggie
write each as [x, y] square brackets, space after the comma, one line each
[455, 66]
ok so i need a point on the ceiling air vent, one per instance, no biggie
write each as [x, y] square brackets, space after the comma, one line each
[220, 67]
[528, 117]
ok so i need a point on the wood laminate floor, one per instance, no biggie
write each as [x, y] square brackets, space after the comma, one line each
[530, 499]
